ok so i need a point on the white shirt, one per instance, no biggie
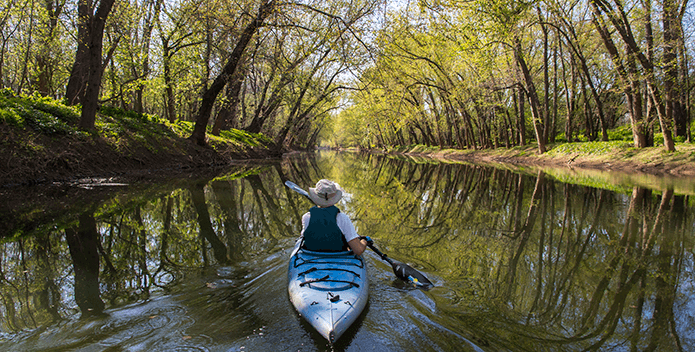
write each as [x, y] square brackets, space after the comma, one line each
[344, 224]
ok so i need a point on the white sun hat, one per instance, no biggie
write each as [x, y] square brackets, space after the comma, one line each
[326, 193]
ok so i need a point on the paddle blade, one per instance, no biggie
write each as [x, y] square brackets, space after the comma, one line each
[407, 273]
[404, 271]
[293, 186]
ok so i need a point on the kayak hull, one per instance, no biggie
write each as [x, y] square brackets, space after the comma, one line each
[328, 289]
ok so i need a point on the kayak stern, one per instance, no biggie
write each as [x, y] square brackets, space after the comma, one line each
[328, 289]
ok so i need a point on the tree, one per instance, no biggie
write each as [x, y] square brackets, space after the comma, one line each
[87, 70]
[616, 15]
[210, 95]
[46, 55]
[175, 35]
[538, 121]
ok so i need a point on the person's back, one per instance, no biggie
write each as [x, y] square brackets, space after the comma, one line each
[324, 227]
[323, 233]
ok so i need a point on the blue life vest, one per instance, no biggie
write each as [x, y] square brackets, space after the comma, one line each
[323, 233]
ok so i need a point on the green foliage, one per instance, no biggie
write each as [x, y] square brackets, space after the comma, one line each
[120, 128]
[589, 148]
[252, 139]
[621, 133]
[115, 122]
[182, 128]
[561, 138]
[41, 114]
[658, 139]
[351, 128]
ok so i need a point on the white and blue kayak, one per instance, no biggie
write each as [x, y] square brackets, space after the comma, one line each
[328, 289]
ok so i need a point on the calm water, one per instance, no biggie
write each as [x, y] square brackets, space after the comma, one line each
[520, 260]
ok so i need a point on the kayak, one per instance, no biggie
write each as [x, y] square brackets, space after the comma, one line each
[328, 289]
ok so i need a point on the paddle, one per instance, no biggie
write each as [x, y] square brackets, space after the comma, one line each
[402, 271]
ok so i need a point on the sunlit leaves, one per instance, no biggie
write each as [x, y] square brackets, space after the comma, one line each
[432, 64]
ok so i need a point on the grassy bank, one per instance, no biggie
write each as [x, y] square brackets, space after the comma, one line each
[615, 166]
[611, 156]
[40, 142]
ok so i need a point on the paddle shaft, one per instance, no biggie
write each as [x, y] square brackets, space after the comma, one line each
[380, 254]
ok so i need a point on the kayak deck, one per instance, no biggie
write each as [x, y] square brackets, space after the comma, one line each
[328, 289]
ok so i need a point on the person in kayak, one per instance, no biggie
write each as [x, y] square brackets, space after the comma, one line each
[324, 227]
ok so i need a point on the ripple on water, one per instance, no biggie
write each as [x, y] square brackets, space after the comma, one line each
[185, 343]
[143, 324]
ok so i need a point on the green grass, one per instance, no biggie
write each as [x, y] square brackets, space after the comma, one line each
[593, 148]
[252, 139]
[415, 148]
[37, 113]
[119, 127]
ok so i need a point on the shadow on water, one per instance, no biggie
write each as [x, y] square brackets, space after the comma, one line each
[520, 261]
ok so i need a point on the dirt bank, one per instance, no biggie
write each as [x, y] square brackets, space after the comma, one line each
[41, 159]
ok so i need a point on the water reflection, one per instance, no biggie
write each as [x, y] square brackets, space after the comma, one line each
[549, 265]
[521, 262]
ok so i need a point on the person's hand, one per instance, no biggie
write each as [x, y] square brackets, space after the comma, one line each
[368, 239]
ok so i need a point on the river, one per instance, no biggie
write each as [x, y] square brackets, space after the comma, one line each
[521, 259]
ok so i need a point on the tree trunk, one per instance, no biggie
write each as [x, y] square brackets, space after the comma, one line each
[229, 111]
[595, 96]
[296, 116]
[685, 86]
[146, 40]
[570, 93]
[671, 80]
[556, 94]
[631, 85]
[640, 125]
[546, 77]
[87, 70]
[210, 95]
[521, 117]
[532, 93]
[590, 131]
[168, 82]
[263, 111]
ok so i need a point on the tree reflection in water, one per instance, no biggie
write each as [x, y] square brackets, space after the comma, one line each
[545, 263]
[521, 261]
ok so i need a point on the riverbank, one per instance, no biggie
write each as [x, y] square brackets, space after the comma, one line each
[40, 144]
[607, 156]
[39, 159]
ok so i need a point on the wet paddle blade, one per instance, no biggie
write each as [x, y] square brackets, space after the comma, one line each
[407, 273]
[404, 271]
[293, 186]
